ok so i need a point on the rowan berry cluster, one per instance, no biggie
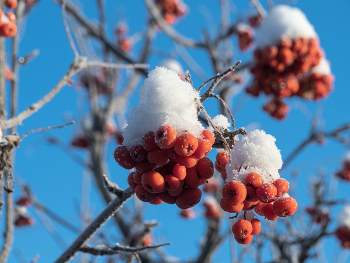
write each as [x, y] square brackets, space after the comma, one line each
[287, 56]
[97, 81]
[124, 42]
[171, 9]
[253, 184]
[343, 230]
[22, 217]
[169, 168]
[212, 209]
[245, 36]
[320, 216]
[344, 173]
[8, 26]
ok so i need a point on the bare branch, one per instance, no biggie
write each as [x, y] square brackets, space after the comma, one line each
[169, 30]
[107, 213]
[259, 8]
[75, 67]
[112, 187]
[46, 128]
[66, 27]
[116, 249]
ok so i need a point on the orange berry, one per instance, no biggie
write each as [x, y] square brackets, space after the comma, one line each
[11, 4]
[153, 182]
[136, 176]
[172, 155]
[11, 16]
[144, 195]
[167, 198]
[8, 30]
[222, 159]
[230, 208]
[267, 211]
[189, 198]
[249, 205]
[157, 201]
[256, 224]
[218, 167]
[208, 135]
[253, 179]
[242, 228]
[285, 206]
[234, 192]
[251, 194]
[205, 168]
[186, 144]
[270, 53]
[192, 180]
[122, 157]
[171, 182]
[131, 182]
[187, 161]
[148, 142]
[258, 207]
[224, 175]
[179, 190]
[244, 241]
[165, 137]
[144, 166]
[157, 157]
[203, 149]
[179, 171]
[137, 153]
[266, 192]
[282, 186]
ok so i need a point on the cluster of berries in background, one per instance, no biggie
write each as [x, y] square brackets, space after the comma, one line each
[343, 230]
[169, 168]
[253, 184]
[344, 173]
[319, 215]
[171, 9]
[124, 41]
[8, 26]
[22, 217]
[289, 61]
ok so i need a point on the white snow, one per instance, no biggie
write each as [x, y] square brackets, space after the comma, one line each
[221, 121]
[249, 215]
[163, 99]
[346, 157]
[322, 68]
[344, 216]
[283, 22]
[173, 64]
[255, 152]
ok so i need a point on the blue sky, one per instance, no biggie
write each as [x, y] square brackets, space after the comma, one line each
[57, 180]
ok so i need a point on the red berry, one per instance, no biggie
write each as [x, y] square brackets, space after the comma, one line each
[242, 228]
[153, 182]
[244, 241]
[285, 206]
[122, 157]
[257, 208]
[157, 201]
[8, 30]
[234, 192]
[136, 177]
[165, 137]
[144, 195]
[205, 168]
[208, 135]
[251, 194]
[186, 144]
[267, 211]
[157, 157]
[187, 161]
[144, 166]
[11, 4]
[253, 179]
[171, 182]
[179, 171]
[256, 224]
[167, 198]
[230, 208]
[148, 142]
[192, 180]
[189, 198]
[282, 186]
[137, 153]
[266, 192]
[203, 149]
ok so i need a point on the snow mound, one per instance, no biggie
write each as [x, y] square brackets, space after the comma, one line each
[283, 22]
[322, 68]
[344, 217]
[221, 121]
[255, 152]
[163, 99]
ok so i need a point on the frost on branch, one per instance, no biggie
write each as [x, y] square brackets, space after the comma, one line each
[163, 99]
[257, 152]
[220, 121]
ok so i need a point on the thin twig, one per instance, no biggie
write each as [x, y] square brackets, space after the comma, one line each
[153, 9]
[107, 213]
[112, 65]
[116, 249]
[76, 66]
[259, 8]
[46, 128]
[66, 27]
[226, 107]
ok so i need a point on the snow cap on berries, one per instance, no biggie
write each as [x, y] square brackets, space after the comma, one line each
[322, 68]
[163, 99]
[256, 152]
[283, 22]
[344, 217]
[221, 121]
